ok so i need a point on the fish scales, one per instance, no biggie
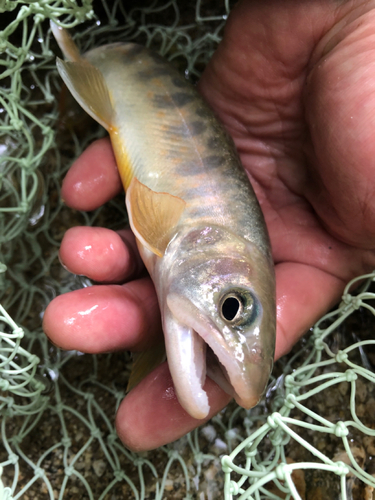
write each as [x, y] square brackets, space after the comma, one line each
[201, 168]
[198, 224]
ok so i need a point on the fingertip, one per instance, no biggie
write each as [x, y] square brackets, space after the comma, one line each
[105, 318]
[100, 254]
[93, 179]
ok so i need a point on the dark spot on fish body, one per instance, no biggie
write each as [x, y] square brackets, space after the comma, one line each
[179, 82]
[149, 73]
[178, 130]
[203, 111]
[213, 161]
[189, 167]
[162, 101]
[158, 59]
[145, 74]
[196, 167]
[197, 127]
[131, 51]
[180, 99]
[213, 143]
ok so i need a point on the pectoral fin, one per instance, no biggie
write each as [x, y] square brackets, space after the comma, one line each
[152, 216]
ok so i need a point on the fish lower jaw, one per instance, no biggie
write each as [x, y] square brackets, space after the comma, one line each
[197, 407]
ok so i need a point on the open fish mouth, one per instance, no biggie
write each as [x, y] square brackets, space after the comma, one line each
[196, 348]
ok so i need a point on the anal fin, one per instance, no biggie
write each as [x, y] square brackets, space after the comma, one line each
[144, 362]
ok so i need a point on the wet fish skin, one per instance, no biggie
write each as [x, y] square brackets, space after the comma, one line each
[166, 136]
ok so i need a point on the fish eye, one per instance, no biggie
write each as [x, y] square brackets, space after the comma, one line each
[231, 307]
[237, 307]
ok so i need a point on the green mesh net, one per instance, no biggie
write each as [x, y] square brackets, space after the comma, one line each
[314, 432]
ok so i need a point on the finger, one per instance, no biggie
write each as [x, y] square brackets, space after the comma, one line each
[101, 254]
[151, 416]
[105, 318]
[93, 179]
[303, 295]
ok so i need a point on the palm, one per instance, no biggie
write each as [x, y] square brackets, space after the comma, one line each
[300, 120]
[291, 92]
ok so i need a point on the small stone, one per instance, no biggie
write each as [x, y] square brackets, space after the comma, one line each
[168, 485]
[317, 493]
[343, 388]
[370, 406]
[99, 467]
[358, 453]
[360, 391]
[369, 443]
[209, 432]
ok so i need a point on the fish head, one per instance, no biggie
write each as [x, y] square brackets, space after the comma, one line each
[219, 317]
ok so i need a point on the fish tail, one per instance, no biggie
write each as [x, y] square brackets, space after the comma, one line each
[85, 81]
[65, 42]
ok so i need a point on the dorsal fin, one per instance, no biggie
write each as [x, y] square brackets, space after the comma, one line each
[152, 216]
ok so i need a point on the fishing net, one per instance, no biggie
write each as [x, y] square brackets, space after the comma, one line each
[57, 408]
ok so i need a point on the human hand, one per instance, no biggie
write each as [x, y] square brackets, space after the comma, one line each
[292, 82]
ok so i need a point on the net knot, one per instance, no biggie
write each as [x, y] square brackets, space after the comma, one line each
[39, 18]
[13, 458]
[95, 433]
[271, 420]
[69, 470]
[226, 464]
[67, 442]
[249, 452]
[234, 488]
[319, 344]
[111, 438]
[355, 302]
[282, 471]
[290, 401]
[341, 430]
[4, 384]
[341, 469]
[19, 332]
[341, 357]
[16, 123]
[39, 472]
[350, 375]
[119, 475]
[289, 381]
[24, 207]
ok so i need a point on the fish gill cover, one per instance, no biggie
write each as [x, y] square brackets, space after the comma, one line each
[312, 437]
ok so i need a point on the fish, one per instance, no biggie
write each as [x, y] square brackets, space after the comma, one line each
[199, 228]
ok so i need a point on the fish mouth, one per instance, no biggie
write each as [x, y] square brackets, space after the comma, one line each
[196, 348]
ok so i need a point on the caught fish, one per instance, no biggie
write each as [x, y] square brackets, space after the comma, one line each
[198, 224]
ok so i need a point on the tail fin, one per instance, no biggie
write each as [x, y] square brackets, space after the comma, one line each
[85, 81]
[65, 42]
